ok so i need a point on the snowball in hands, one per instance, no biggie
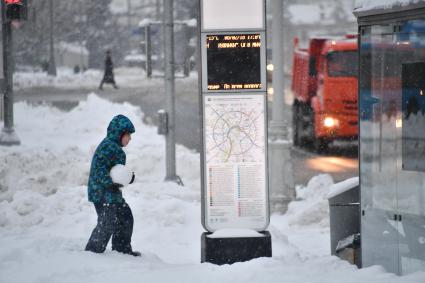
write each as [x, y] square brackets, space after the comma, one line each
[121, 174]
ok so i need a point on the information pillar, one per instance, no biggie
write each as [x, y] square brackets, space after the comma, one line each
[234, 115]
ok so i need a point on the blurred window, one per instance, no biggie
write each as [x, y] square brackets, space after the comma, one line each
[342, 64]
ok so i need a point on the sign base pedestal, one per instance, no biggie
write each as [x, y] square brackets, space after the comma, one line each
[230, 250]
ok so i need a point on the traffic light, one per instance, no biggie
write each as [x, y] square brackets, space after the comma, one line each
[16, 10]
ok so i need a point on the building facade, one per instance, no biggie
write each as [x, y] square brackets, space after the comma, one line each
[71, 55]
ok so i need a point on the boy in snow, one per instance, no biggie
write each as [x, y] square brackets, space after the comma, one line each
[114, 217]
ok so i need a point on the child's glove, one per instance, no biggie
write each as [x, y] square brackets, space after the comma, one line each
[132, 178]
[115, 188]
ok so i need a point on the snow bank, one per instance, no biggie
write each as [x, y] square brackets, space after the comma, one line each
[312, 208]
[57, 148]
[66, 79]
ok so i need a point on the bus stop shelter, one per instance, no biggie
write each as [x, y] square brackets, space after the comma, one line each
[392, 134]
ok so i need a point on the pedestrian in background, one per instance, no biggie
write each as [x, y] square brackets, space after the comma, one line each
[108, 76]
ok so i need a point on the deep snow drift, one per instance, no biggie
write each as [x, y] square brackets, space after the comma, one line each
[45, 218]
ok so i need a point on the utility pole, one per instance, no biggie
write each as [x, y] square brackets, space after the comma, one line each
[129, 15]
[148, 50]
[52, 65]
[158, 9]
[170, 152]
[280, 163]
[80, 21]
[8, 135]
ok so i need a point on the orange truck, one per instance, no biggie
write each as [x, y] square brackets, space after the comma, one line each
[324, 85]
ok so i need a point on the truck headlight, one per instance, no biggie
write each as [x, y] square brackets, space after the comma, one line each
[270, 91]
[330, 122]
[270, 67]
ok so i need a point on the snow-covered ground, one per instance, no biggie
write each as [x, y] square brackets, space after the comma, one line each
[45, 218]
[125, 77]
[66, 79]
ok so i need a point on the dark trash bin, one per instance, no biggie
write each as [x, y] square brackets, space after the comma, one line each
[344, 212]
[349, 249]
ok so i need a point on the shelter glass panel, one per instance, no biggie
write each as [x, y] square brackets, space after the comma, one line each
[378, 149]
[392, 145]
[410, 46]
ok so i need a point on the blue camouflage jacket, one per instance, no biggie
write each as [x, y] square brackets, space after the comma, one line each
[108, 154]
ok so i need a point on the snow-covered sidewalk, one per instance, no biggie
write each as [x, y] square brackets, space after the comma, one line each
[45, 218]
[67, 79]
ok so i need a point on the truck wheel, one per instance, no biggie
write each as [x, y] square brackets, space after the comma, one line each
[310, 129]
[295, 127]
[320, 145]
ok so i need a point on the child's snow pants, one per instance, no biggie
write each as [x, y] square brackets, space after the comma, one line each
[114, 220]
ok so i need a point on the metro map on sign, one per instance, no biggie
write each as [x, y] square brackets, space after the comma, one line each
[234, 129]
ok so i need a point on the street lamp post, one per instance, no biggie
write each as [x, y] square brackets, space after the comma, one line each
[129, 22]
[170, 152]
[80, 35]
[8, 135]
[52, 65]
[280, 163]
[158, 10]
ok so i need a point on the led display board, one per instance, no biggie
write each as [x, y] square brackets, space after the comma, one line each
[233, 61]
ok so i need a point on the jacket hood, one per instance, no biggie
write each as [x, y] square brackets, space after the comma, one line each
[118, 126]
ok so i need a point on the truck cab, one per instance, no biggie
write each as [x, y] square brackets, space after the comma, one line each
[324, 85]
